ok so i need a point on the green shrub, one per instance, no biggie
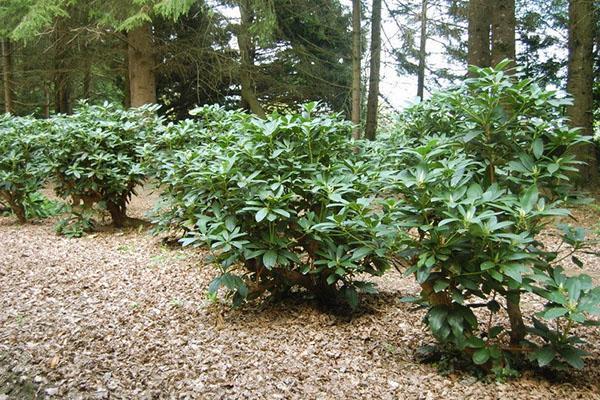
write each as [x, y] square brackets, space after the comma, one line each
[38, 205]
[473, 198]
[95, 158]
[77, 223]
[23, 164]
[281, 203]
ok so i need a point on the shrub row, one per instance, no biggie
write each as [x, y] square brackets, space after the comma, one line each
[476, 192]
[92, 158]
[457, 198]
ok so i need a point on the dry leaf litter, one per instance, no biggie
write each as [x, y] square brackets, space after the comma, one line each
[117, 315]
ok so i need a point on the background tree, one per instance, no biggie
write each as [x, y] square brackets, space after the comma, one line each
[309, 58]
[7, 74]
[299, 51]
[374, 72]
[422, 50]
[580, 81]
[440, 23]
[479, 33]
[246, 48]
[503, 31]
[356, 63]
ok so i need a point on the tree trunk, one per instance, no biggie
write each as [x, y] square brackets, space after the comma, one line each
[356, 53]
[375, 66]
[580, 83]
[7, 72]
[46, 107]
[422, 51]
[140, 55]
[503, 31]
[515, 317]
[19, 211]
[87, 81]
[247, 60]
[15, 203]
[118, 213]
[62, 87]
[479, 33]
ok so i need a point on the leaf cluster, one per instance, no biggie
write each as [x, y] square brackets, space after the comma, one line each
[23, 163]
[490, 172]
[282, 203]
[95, 158]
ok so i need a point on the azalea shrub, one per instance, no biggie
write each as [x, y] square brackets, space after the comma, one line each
[96, 159]
[282, 203]
[472, 199]
[23, 166]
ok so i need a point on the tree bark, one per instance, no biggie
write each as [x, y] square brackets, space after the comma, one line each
[515, 317]
[422, 50]
[140, 55]
[46, 107]
[479, 33]
[375, 66]
[247, 60]
[118, 212]
[356, 61]
[503, 31]
[87, 81]
[62, 87]
[7, 73]
[580, 82]
[15, 202]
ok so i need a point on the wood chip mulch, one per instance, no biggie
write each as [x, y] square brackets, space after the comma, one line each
[117, 315]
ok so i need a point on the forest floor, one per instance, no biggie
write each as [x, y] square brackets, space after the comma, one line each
[118, 315]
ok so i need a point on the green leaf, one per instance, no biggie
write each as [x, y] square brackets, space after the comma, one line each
[456, 321]
[553, 313]
[436, 317]
[538, 147]
[261, 214]
[440, 285]
[545, 355]
[481, 356]
[351, 296]
[366, 287]
[186, 241]
[573, 357]
[577, 261]
[361, 252]
[495, 331]
[530, 198]
[487, 265]
[331, 279]
[475, 342]
[552, 168]
[270, 259]
[573, 286]
[214, 285]
[515, 271]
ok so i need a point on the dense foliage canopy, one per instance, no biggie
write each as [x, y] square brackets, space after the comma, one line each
[457, 197]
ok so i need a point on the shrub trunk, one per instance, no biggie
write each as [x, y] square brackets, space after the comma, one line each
[513, 308]
[19, 211]
[117, 212]
[16, 205]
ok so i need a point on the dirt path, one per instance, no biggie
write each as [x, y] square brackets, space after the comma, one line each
[119, 316]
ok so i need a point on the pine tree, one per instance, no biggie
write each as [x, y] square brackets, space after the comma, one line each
[503, 31]
[374, 72]
[580, 81]
[479, 52]
[7, 74]
[356, 64]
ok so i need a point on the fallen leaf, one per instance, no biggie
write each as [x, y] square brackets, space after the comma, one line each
[54, 362]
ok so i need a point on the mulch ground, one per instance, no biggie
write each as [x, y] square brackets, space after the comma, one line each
[117, 315]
